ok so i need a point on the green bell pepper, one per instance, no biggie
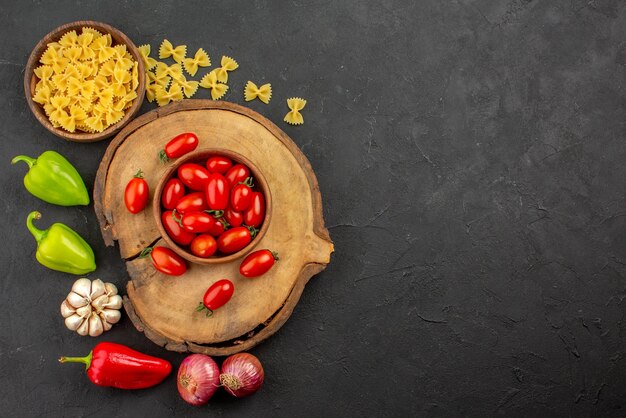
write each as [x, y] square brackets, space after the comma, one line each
[61, 248]
[54, 179]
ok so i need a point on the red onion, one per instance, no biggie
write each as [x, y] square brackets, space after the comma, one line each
[198, 379]
[242, 374]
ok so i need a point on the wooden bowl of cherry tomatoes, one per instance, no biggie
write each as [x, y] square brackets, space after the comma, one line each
[212, 206]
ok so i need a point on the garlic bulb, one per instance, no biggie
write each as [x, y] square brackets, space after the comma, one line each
[92, 307]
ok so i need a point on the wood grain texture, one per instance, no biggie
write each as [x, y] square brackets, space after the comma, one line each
[30, 80]
[163, 307]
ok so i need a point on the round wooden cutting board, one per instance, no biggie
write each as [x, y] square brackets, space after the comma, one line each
[163, 307]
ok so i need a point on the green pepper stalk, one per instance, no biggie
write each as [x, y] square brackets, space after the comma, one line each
[61, 248]
[53, 179]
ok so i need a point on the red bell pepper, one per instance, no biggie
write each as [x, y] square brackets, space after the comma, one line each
[115, 365]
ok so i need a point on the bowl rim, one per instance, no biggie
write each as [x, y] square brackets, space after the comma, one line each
[195, 157]
[30, 80]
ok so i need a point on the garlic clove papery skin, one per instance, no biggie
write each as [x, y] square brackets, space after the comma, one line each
[67, 310]
[115, 302]
[76, 300]
[110, 289]
[95, 325]
[83, 329]
[73, 322]
[112, 316]
[106, 325]
[84, 311]
[97, 289]
[82, 287]
[98, 303]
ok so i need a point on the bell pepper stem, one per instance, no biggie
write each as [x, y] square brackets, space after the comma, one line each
[28, 160]
[37, 233]
[86, 360]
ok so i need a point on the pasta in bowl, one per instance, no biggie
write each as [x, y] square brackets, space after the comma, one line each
[85, 81]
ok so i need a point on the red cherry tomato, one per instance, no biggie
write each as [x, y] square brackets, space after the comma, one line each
[197, 222]
[173, 191]
[241, 196]
[234, 240]
[257, 263]
[176, 232]
[255, 213]
[217, 191]
[203, 246]
[179, 146]
[218, 227]
[218, 294]
[193, 202]
[193, 176]
[233, 218]
[219, 164]
[136, 194]
[237, 173]
[167, 261]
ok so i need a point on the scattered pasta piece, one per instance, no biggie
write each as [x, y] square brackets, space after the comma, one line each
[264, 93]
[161, 79]
[163, 96]
[86, 83]
[144, 51]
[294, 117]
[167, 50]
[189, 86]
[201, 59]
[174, 71]
[209, 81]
[228, 64]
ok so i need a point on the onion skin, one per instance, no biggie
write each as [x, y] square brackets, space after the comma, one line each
[198, 379]
[242, 374]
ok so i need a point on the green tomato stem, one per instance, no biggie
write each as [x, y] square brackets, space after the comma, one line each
[163, 157]
[145, 252]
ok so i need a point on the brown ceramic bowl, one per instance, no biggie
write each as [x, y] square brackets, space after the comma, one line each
[30, 80]
[200, 157]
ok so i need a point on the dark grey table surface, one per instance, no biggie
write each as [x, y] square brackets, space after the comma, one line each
[471, 157]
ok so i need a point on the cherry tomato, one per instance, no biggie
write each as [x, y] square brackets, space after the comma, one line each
[179, 146]
[193, 176]
[234, 240]
[237, 173]
[219, 164]
[193, 202]
[255, 213]
[167, 261]
[217, 295]
[217, 191]
[136, 193]
[197, 222]
[241, 195]
[176, 232]
[218, 227]
[233, 218]
[173, 191]
[257, 263]
[203, 246]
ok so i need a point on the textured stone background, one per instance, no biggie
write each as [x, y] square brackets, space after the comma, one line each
[471, 160]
